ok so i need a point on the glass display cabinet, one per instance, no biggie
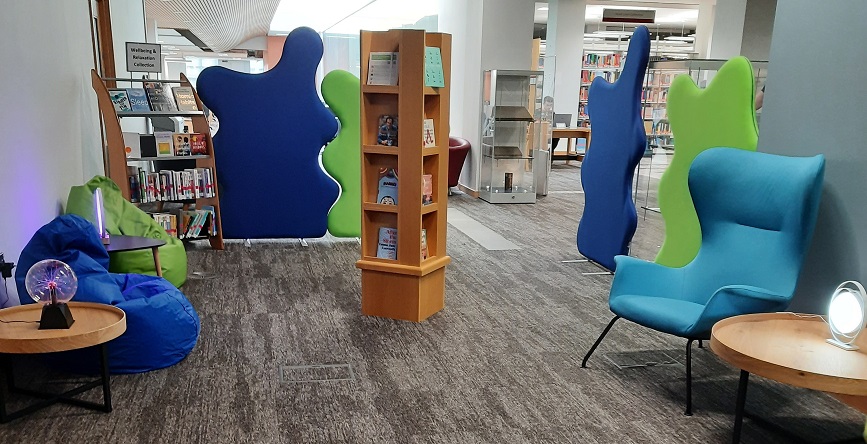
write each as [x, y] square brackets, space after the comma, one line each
[515, 127]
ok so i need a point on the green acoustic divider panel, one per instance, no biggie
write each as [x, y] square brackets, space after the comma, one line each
[342, 157]
[721, 115]
[124, 218]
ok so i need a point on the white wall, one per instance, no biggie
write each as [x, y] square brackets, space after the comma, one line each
[48, 115]
[565, 30]
[813, 108]
[758, 27]
[486, 34]
[728, 29]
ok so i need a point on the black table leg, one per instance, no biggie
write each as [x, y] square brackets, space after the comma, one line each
[106, 382]
[739, 406]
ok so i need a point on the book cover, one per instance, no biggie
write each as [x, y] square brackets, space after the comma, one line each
[197, 144]
[148, 145]
[382, 68]
[184, 98]
[426, 189]
[387, 191]
[132, 145]
[428, 136]
[386, 248]
[119, 99]
[164, 143]
[138, 99]
[433, 67]
[159, 97]
[182, 144]
[387, 134]
[424, 253]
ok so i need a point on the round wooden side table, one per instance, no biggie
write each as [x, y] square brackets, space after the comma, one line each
[95, 325]
[790, 348]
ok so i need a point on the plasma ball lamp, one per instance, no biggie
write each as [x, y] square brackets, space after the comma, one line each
[52, 283]
[846, 314]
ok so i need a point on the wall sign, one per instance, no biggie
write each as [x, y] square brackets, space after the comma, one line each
[143, 57]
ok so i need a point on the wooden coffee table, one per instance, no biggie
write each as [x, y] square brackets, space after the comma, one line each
[95, 325]
[791, 349]
[132, 243]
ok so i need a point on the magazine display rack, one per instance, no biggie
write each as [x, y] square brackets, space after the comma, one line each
[115, 153]
[411, 286]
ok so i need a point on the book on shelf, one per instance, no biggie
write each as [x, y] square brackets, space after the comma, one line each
[182, 144]
[387, 189]
[198, 144]
[159, 96]
[165, 143]
[168, 221]
[433, 67]
[119, 99]
[168, 185]
[212, 229]
[386, 247]
[132, 144]
[184, 98]
[428, 136]
[387, 133]
[382, 68]
[138, 99]
[427, 189]
[424, 252]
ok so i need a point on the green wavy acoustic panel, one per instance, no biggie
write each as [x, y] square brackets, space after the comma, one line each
[342, 157]
[721, 115]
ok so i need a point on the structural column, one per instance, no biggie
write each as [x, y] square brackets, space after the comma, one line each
[566, 32]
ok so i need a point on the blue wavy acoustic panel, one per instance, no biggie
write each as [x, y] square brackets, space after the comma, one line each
[618, 142]
[272, 127]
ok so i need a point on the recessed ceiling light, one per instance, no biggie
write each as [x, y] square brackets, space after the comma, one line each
[542, 8]
[680, 38]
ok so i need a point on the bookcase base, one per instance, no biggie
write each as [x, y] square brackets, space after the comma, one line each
[402, 296]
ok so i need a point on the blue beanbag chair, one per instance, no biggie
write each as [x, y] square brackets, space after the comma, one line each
[161, 325]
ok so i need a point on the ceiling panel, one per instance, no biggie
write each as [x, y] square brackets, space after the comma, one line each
[219, 24]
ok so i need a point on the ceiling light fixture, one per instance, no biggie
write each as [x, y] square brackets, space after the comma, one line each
[542, 8]
[846, 314]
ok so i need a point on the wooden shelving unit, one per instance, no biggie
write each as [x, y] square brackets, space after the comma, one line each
[408, 288]
[116, 160]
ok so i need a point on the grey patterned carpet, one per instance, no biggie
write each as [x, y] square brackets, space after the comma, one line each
[501, 363]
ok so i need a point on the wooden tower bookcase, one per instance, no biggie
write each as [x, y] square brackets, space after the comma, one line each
[115, 154]
[409, 288]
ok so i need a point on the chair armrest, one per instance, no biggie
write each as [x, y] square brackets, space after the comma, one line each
[637, 276]
[733, 300]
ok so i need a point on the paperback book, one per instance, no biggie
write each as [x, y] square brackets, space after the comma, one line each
[427, 189]
[165, 144]
[197, 144]
[387, 191]
[182, 144]
[433, 67]
[428, 135]
[382, 68]
[386, 248]
[138, 99]
[159, 96]
[424, 253]
[184, 98]
[387, 130]
[119, 99]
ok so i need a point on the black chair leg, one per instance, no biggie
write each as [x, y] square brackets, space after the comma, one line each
[688, 411]
[598, 340]
[700, 343]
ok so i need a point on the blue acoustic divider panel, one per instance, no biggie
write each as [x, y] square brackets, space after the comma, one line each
[272, 127]
[619, 141]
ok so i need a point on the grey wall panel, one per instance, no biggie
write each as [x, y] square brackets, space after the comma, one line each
[816, 102]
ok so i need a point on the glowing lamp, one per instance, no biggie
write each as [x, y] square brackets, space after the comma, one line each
[99, 216]
[52, 283]
[846, 314]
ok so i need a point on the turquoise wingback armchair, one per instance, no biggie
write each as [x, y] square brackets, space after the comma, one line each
[757, 212]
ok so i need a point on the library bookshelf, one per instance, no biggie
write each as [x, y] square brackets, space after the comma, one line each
[115, 153]
[411, 287]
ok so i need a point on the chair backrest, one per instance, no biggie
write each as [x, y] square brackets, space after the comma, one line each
[757, 212]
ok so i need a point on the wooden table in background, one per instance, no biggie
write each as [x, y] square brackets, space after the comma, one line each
[791, 349]
[95, 325]
[131, 243]
[571, 134]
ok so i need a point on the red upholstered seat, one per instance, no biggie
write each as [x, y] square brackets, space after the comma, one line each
[458, 149]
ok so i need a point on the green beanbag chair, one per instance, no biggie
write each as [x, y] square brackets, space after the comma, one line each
[124, 218]
[721, 115]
